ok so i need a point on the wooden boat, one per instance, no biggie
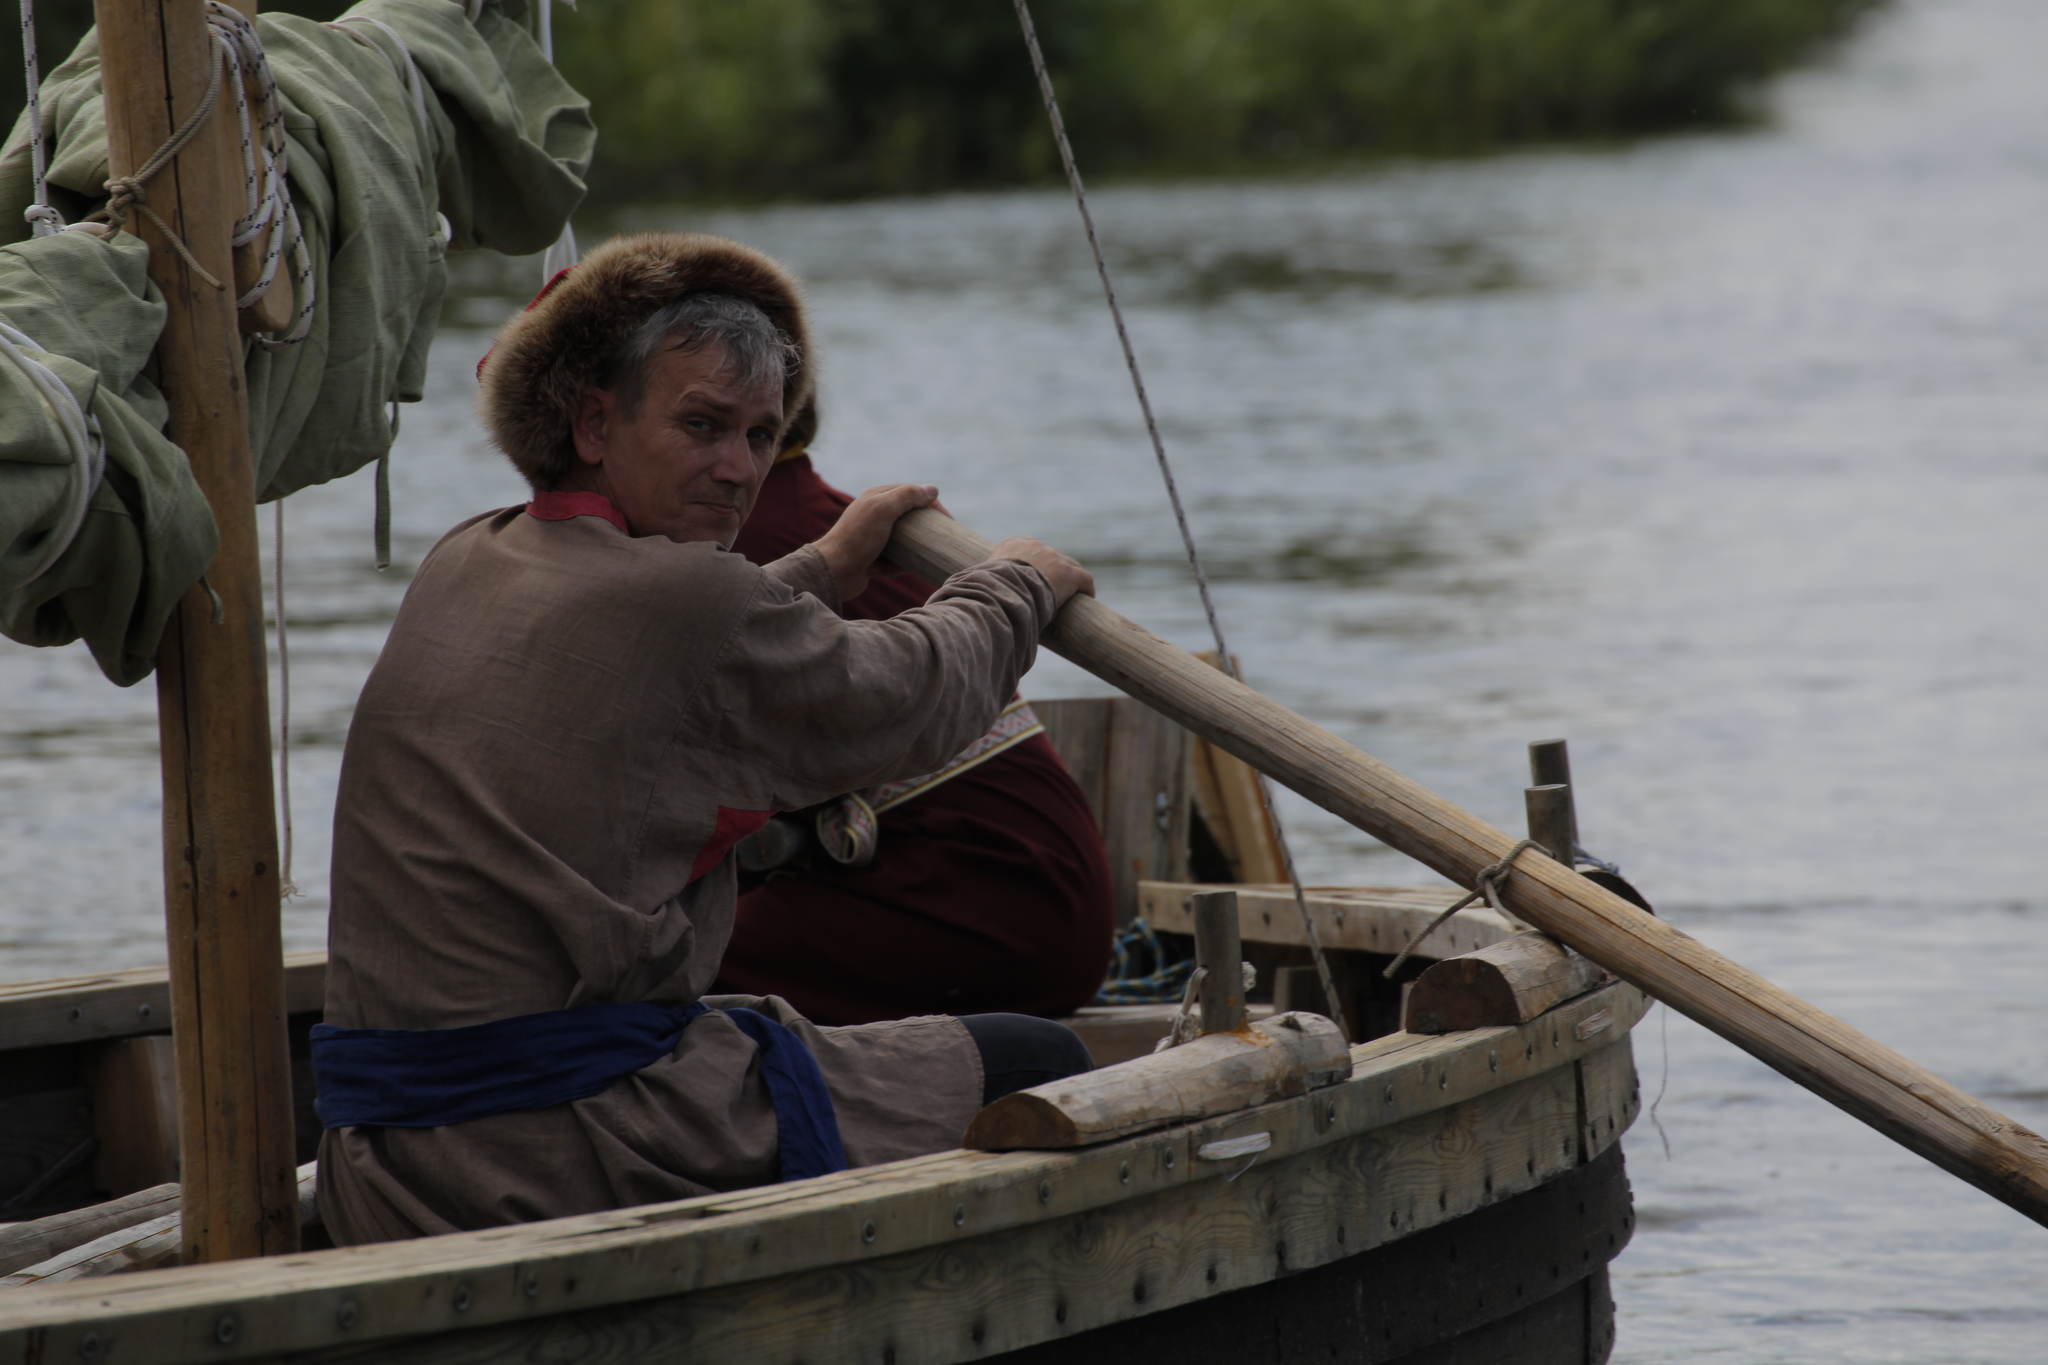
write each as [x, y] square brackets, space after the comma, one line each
[1457, 1197]
[1440, 1196]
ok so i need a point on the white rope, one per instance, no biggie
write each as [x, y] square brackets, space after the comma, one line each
[562, 255]
[1226, 660]
[287, 887]
[43, 220]
[265, 155]
[81, 434]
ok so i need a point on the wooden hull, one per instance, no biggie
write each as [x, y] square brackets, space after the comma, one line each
[1458, 1194]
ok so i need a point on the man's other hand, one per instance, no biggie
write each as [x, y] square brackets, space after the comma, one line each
[1062, 571]
[862, 532]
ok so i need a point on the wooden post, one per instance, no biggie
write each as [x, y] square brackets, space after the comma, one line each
[220, 826]
[1550, 764]
[1217, 948]
[1904, 1101]
[1550, 819]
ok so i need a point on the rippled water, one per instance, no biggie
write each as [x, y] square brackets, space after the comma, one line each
[1726, 457]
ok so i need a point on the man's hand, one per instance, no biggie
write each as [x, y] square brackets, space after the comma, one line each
[862, 532]
[1064, 573]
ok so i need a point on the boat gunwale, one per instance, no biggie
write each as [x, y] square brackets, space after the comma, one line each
[290, 1303]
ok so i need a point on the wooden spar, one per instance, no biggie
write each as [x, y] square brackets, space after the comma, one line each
[1900, 1099]
[221, 886]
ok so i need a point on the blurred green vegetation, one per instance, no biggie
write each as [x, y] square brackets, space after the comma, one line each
[758, 99]
[749, 99]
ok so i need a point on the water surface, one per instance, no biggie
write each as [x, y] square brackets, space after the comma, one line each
[1726, 457]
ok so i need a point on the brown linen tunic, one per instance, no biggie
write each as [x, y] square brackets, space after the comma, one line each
[567, 731]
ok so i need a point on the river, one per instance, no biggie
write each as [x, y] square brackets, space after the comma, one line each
[1725, 456]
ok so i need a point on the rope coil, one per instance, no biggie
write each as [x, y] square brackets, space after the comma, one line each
[238, 51]
[269, 192]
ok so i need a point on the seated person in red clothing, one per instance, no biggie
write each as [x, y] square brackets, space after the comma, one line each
[985, 890]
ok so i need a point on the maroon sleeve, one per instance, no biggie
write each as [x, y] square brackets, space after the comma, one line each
[797, 507]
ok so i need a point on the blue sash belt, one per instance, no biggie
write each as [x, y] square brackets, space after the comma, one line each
[405, 1078]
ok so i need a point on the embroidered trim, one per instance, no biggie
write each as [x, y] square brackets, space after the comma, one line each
[554, 506]
[850, 828]
[1015, 725]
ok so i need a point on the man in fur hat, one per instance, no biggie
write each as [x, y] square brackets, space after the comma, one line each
[584, 703]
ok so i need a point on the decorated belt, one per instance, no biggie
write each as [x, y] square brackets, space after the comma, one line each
[850, 828]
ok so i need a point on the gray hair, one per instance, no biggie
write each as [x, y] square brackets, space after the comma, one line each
[756, 350]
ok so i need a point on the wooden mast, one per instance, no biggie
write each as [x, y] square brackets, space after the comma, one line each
[221, 880]
[1905, 1102]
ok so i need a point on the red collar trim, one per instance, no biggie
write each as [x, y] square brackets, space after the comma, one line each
[557, 506]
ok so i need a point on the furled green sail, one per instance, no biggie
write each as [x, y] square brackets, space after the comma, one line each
[500, 155]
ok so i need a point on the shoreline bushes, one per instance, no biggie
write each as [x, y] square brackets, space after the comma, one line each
[761, 99]
[748, 100]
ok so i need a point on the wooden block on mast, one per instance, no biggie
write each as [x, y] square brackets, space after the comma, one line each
[220, 830]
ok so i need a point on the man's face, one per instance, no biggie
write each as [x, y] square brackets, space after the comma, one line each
[689, 464]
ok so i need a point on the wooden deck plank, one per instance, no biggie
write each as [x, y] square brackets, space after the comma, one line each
[83, 1009]
[923, 1206]
[1267, 914]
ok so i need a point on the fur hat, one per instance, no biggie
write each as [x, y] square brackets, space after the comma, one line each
[545, 359]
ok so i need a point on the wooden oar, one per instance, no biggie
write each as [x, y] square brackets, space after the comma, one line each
[1903, 1101]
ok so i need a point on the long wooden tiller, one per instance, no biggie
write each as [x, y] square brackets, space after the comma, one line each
[1900, 1099]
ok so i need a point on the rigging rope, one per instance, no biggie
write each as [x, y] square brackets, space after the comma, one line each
[287, 888]
[1225, 659]
[562, 254]
[42, 219]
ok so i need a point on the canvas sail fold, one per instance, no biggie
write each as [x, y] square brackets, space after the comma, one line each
[419, 134]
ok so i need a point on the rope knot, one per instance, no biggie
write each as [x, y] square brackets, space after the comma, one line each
[124, 192]
[1486, 886]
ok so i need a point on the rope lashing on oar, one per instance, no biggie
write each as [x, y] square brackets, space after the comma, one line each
[1487, 887]
[1225, 659]
[81, 434]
